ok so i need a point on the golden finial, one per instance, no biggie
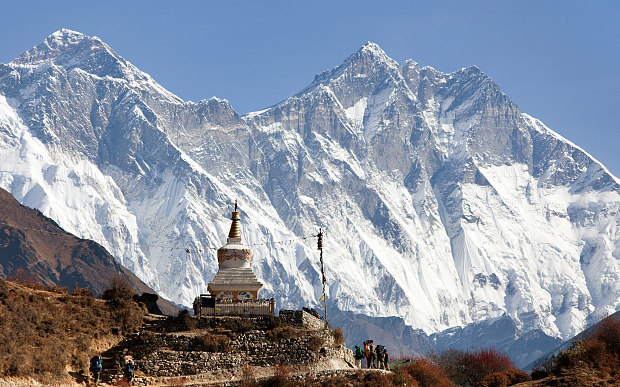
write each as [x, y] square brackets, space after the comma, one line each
[235, 227]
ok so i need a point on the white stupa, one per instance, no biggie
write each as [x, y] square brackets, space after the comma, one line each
[235, 278]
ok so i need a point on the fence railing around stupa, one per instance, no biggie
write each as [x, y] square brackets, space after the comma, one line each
[208, 305]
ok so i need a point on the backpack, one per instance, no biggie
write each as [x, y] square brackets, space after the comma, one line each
[95, 364]
[359, 354]
[380, 349]
[130, 367]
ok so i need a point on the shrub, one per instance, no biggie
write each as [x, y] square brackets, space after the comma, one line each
[426, 373]
[210, 342]
[595, 352]
[239, 324]
[570, 357]
[470, 367]
[375, 379]
[127, 313]
[338, 336]
[542, 368]
[118, 290]
[400, 378]
[608, 332]
[186, 321]
[283, 332]
[57, 289]
[82, 292]
[504, 378]
[314, 343]
[4, 289]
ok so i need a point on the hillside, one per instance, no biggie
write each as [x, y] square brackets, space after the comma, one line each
[35, 246]
[47, 335]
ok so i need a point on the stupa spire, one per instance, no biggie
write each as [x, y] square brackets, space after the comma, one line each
[235, 227]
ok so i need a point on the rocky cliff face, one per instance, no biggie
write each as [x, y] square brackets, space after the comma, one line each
[444, 204]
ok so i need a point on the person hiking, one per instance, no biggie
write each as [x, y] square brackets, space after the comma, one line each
[367, 352]
[128, 368]
[379, 356]
[96, 364]
[371, 361]
[359, 355]
[386, 360]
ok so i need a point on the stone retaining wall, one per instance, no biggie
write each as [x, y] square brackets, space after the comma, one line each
[177, 354]
[300, 318]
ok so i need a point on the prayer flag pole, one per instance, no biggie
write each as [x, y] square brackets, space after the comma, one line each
[323, 280]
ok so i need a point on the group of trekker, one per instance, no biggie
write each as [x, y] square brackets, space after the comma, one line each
[127, 365]
[376, 357]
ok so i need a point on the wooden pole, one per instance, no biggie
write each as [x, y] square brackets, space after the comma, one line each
[323, 280]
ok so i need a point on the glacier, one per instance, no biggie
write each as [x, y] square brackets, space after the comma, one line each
[442, 203]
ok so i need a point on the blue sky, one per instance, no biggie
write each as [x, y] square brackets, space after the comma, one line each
[558, 60]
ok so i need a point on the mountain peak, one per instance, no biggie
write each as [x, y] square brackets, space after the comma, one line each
[64, 42]
[65, 39]
[373, 52]
[372, 47]
[369, 59]
[65, 34]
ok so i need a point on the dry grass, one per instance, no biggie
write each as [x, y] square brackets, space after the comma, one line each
[45, 332]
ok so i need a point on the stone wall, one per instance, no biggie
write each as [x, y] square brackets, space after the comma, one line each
[300, 318]
[177, 354]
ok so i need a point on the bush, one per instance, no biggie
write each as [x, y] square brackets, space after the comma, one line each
[118, 290]
[338, 336]
[608, 332]
[210, 342]
[57, 289]
[470, 367]
[378, 379]
[400, 378]
[595, 352]
[600, 349]
[315, 343]
[426, 373]
[542, 368]
[283, 332]
[82, 292]
[570, 357]
[185, 320]
[504, 378]
[239, 324]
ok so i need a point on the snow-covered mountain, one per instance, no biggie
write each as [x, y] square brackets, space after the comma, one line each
[443, 203]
